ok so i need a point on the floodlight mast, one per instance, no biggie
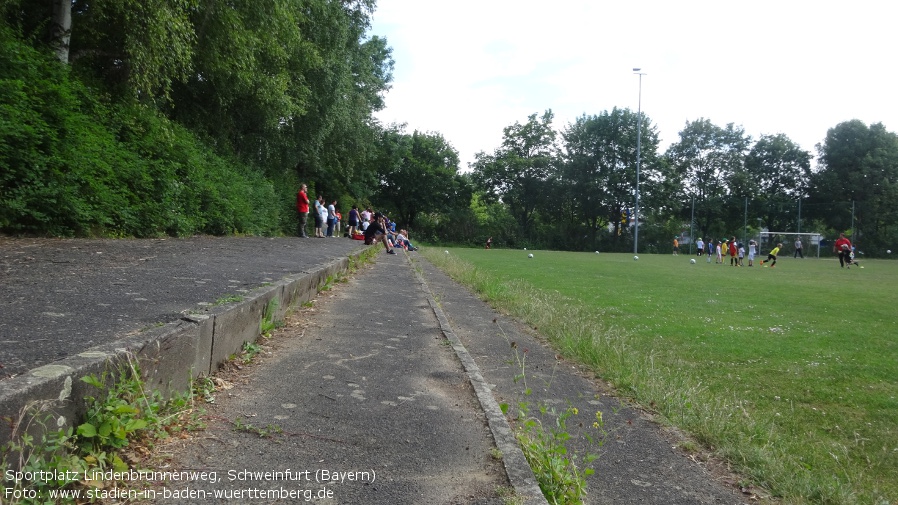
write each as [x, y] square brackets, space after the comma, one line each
[638, 72]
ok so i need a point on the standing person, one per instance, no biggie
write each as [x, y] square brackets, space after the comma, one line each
[377, 232]
[752, 251]
[323, 211]
[489, 242]
[676, 247]
[772, 256]
[741, 255]
[700, 246]
[734, 261]
[366, 218]
[719, 251]
[710, 248]
[302, 210]
[798, 249]
[331, 218]
[843, 248]
[353, 220]
[320, 216]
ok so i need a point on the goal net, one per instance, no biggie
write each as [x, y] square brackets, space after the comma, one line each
[810, 243]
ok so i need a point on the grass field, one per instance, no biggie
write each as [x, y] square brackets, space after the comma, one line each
[789, 373]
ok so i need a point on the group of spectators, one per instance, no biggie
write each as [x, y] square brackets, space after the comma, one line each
[371, 226]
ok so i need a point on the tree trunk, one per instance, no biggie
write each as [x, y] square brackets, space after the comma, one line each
[61, 28]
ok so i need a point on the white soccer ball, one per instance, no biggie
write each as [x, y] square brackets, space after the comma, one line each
[597, 252]
[692, 261]
[635, 258]
[447, 252]
[525, 248]
[530, 255]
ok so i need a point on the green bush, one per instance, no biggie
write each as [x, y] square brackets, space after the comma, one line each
[75, 165]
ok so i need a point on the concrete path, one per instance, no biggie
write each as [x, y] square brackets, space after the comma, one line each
[381, 394]
[364, 401]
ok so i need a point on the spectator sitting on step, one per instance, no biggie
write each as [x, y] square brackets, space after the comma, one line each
[377, 232]
[402, 241]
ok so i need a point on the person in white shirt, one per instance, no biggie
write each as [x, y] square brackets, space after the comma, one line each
[402, 241]
[331, 218]
[322, 216]
[319, 220]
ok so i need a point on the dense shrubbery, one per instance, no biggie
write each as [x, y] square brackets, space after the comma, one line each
[74, 164]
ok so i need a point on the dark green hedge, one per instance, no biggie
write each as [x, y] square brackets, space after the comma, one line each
[71, 164]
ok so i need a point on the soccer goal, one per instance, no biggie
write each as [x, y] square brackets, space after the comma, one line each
[809, 241]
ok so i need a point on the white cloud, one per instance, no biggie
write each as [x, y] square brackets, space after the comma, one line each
[468, 69]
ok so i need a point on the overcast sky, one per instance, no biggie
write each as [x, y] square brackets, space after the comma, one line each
[467, 69]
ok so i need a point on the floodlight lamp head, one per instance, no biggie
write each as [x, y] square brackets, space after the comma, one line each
[637, 69]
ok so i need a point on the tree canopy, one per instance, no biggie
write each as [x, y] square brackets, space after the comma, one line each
[282, 90]
[858, 164]
[600, 166]
[419, 174]
[517, 172]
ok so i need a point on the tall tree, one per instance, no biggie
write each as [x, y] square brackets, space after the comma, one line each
[248, 76]
[708, 159]
[776, 174]
[518, 170]
[61, 28]
[333, 140]
[419, 173]
[136, 48]
[600, 165]
[859, 163]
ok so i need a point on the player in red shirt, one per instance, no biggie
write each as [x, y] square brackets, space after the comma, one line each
[302, 210]
[733, 260]
[843, 248]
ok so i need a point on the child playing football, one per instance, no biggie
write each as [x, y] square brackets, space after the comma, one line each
[772, 256]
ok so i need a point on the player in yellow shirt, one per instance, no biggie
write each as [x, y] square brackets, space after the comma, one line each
[772, 256]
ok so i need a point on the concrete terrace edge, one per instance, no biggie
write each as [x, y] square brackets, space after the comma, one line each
[516, 466]
[170, 356]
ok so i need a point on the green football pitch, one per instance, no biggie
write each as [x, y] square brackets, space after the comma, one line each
[789, 373]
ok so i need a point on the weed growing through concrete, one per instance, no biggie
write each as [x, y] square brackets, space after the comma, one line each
[545, 445]
[508, 496]
[53, 450]
[204, 388]
[224, 300]
[121, 416]
[546, 439]
[268, 323]
[249, 353]
[266, 432]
